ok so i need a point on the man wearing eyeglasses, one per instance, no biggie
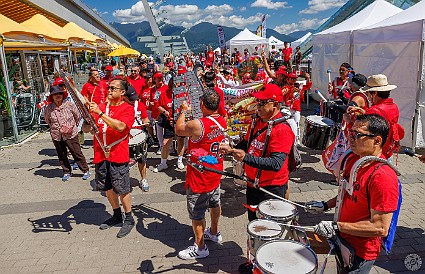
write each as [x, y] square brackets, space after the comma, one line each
[137, 81]
[114, 119]
[273, 166]
[95, 90]
[364, 215]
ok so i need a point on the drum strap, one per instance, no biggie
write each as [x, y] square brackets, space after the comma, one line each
[107, 148]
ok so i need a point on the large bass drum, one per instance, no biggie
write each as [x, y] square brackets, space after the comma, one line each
[317, 132]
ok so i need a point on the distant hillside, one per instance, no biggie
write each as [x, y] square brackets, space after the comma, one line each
[198, 37]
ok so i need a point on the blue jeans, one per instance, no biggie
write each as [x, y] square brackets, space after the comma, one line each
[360, 266]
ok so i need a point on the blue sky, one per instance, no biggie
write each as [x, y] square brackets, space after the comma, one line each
[283, 16]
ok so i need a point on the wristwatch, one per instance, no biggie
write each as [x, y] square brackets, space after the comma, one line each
[101, 114]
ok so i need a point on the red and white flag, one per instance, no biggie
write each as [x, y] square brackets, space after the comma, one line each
[42, 104]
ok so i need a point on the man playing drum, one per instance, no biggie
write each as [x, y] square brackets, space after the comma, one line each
[203, 189]
[273, 166]
[367, 204]
[140, 152]
[111, 158]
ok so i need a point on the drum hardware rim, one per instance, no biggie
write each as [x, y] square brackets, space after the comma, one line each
[270, 242]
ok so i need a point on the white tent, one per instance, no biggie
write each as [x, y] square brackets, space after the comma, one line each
[247, 40]
[298, 42]
[274, 41]
[332, 47]
[395, 47]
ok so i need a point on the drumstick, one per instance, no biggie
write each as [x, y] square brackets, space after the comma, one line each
[329, 75]
[321, 96]
[306, 228]
[281, 198]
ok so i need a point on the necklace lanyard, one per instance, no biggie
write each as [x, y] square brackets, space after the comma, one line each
[105, 126]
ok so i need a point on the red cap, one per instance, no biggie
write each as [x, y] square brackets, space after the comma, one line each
[109, 68]
[269, 92]
[181, 70]
[292, 75]
[158, 75]
[281, 70]
[58, 81]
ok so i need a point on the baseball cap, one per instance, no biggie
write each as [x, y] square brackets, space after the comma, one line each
[131, 93]
[281, 70]
[269, 92]
[358, 81]
[292, 75]
[158, 75]
[109, 68]
[58, 81]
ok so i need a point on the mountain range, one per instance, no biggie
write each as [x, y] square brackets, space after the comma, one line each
[198, 37]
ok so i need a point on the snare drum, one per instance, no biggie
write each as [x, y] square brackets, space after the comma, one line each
[317, 132]
[283, 256]
[278, 211]
[261, 231]
[137, 143]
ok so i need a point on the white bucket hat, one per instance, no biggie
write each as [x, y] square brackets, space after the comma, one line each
[378, 82]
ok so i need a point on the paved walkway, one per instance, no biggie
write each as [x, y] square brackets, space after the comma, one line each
[52, 227]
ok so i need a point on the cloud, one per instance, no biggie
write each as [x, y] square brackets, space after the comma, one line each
[303, 24]
[243, 9]
[187, 15]
[316, 6]
[269, 4]
[100, 12]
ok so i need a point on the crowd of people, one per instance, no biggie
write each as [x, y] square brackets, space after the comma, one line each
[143, 100]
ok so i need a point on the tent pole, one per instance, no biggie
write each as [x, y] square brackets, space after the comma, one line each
[418, 97]
[9, 91]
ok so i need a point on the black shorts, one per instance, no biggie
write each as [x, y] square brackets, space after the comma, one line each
[113, 176]
[168, 130]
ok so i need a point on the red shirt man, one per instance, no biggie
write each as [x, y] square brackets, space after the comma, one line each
[95, 90]
[287, 52]
[136, 80]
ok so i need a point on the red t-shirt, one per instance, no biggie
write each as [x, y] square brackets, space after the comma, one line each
[210, 56]
[389, 110]
[337, 84]
[138, 83]
[155, 94]
[289, 99]
[120, 152]
[95, 93]
[287, 53]
[145, 97]
[221, 110]
[210, 139]
[142, 110]
[166, 102]
[281, 140]
[383, 193]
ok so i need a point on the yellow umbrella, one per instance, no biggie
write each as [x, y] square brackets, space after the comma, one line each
[46, 27]
[124, 51]
[79, 32]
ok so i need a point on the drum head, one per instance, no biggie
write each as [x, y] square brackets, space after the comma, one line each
[277, 208]
[282, 256]
[264, 228]
[137, 136]
[320, 120]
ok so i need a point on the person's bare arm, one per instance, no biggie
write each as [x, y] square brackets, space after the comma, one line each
[270, 73]
[115, 124]
[377, 226]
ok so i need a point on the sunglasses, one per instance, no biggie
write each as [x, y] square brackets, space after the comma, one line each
[133, 70]
[343, 70]
[355, 135]
[59, 93]
[113, 88]
[261, 103]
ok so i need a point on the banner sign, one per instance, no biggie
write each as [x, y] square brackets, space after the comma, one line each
[221, 38]
[263, 27]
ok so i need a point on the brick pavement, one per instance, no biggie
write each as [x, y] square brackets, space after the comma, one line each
[52, 227]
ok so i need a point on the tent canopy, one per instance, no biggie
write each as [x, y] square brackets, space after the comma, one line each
[298, 42]
[45, 26]
[77, 31]
[247, 39]
[274, 41]
[9, 26]
[124, 51]
[372, 14]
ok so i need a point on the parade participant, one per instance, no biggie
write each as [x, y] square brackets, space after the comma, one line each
[210, 57]
[364, 215]
[203, 189]
[165, 108]
[291, 98]
[378, 92]
[339, 84]
[225, 78]
[211, 82]
[63, 118]
[108, 74]
[287, 56]
[95, 90]
[156, 91]
[297, 58]
[141, 119]
[136, 80]
[261, 74]
[278, 76]
[273, 167]
[115, 119]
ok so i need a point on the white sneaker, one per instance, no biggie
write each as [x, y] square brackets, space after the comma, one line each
[159, 151]
[193, 252]
[144, 185]
[160, 167]
[208, 236]
[180, 165]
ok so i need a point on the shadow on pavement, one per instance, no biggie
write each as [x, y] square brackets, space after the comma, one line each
[49, 173]
[307, 174]
[48, 152]
[77, 214]
[232, 199]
